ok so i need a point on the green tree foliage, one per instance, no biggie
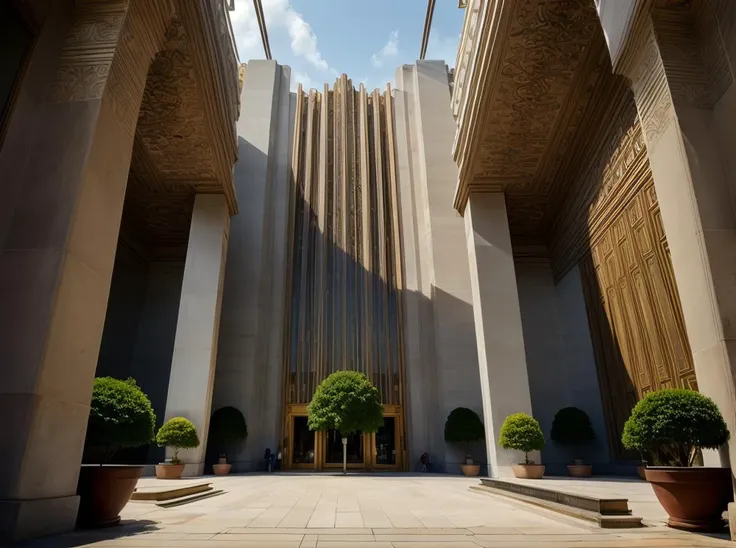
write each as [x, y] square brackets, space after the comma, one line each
[227, 427]
[120, 416]
[463, 425]
[672, 424]
[522, 433]
[571, 426]
[346, 401]
[177, 433]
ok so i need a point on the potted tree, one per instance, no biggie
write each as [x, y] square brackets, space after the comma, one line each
[463, 426]
[227, 428]
[345, 401]
[571, 427]
[120, 416]
[177, 433]
[522, 433]
[672, 426]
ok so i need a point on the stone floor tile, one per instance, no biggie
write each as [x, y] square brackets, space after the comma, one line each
[375, 517]
[322, 519]
[297, 517]
[420, 531]
[535, 530]
[435, 522]
[545, 538]
[352, 544]
[425, 538]
[234, 537]
[403, 519]
[411, 543]
[523, 543]
[493, 530]
[348, 519]
[345, 538]
[341, 531]
[309, 541]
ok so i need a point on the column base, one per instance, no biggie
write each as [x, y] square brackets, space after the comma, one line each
[193, 469]
[500, 472]
[732, 519]
[27, 519]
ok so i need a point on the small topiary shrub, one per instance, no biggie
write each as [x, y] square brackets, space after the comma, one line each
[120, 416]
[346, 401]
[522, 433]
[177, 433]
[571, 426]
[463, 426]
[227, 428]
[673, 424]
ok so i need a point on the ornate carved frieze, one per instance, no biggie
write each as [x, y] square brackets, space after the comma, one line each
[676, 57]
[88, 52]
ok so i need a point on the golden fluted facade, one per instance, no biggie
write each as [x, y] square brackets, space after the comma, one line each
[345, 259]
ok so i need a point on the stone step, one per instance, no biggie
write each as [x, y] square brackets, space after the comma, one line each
[190, 498]
[170, 489]
[608, 513]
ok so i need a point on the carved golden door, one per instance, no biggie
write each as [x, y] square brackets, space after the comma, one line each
[634, 312]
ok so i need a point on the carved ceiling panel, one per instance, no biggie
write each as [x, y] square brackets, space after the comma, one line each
[178, 144]
[551, 57]
[171, 124]
[545, 48]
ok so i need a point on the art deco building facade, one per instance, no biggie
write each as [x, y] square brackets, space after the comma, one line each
[551, 224]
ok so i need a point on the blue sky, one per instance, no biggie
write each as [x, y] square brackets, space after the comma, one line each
[367, 40]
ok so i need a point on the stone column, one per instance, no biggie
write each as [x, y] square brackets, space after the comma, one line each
[249, 363]
[195, 345]
[441, 362]
[64, 165]
[504, 380]
[687, 105]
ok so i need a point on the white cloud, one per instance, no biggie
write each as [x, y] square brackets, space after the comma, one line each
[443, 48]
[391, 49]
[304, 79]
[279, 15]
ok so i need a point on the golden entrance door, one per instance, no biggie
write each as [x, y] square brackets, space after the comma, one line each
[387, 444]
[301, 445]
[307, 450]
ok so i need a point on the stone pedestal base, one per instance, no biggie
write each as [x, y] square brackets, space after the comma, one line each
[732, 519]
[192, 469]
[25, 519]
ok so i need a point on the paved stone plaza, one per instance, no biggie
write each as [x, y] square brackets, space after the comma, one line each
[316, 511]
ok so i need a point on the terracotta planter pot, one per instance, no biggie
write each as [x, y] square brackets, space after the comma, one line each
[169, 471]
[222, 469]
[640, 470]
[103, 492]
[694, 498]
[580, 470]
[470, 469]
[528, 471]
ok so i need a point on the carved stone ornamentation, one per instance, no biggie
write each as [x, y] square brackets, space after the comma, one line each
[171, 123]
[88, 52]
[518, 122]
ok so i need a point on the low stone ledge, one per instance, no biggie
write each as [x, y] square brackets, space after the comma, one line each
[608, 513]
